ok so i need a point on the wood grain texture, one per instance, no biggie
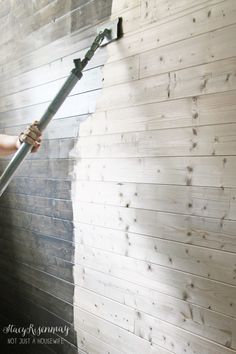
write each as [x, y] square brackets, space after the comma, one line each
[208, 232]
[197, 260]
[39, 223]
[219, 297]
[72, 21]
[191, 112]
[43, 187]
[196, 201]
[152, 12]
[129, 236]
[195, 319]
[161, 170]
[154, 188]
[197, 141]
[46, 92]
[40, 41]
[222, 13]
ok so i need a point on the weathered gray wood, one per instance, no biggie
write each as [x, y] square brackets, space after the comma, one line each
[57, 287]
[54, 305]
[42, 187]
[55, 247]
[37, 231]
[71, 22]
[52, 149]
[39, 14]
[42, 317]
[58, 129]
[56, 69]
[50, 168]
[58, 208]
[74, 46]
[81, 104]
[43, 299]
[59, 228]
[91, 81]
[36, 255]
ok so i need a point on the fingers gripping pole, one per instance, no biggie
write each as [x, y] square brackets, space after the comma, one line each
[65, 90]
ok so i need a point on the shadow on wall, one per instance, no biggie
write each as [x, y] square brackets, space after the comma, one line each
[36, 268]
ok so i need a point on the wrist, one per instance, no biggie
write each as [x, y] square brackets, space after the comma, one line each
[17, 142]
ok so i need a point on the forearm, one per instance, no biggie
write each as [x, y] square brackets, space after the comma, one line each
[8, 144]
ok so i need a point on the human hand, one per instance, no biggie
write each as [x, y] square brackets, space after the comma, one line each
[32, 136]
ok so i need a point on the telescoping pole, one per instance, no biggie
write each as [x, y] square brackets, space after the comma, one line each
[63, 93]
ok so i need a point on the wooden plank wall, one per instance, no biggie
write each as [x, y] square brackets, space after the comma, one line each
[41, 39]
[155, 192]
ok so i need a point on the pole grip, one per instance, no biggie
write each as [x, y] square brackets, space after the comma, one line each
[25, 148]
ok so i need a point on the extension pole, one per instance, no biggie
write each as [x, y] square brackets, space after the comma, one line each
[63, 93]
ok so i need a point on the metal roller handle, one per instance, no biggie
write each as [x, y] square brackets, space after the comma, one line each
[59, 99]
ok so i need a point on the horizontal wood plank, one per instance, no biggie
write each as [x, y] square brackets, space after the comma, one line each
[195, 230]
[39, 279]
[43, 187]
[198, 201]
[43, 93]
[198, 22]
[210, 171]
[152, 12]
[72, 21]
[194, 111]
[57, 208]
[197, 141]
[46, 225]
[209, 294]
[81, 104]
[181, 313]
[125, 341]
[211, 264]
[204, 79]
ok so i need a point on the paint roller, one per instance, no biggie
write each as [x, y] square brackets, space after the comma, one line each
[107, 33]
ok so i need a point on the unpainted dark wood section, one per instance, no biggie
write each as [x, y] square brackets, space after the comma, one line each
[36, 214]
